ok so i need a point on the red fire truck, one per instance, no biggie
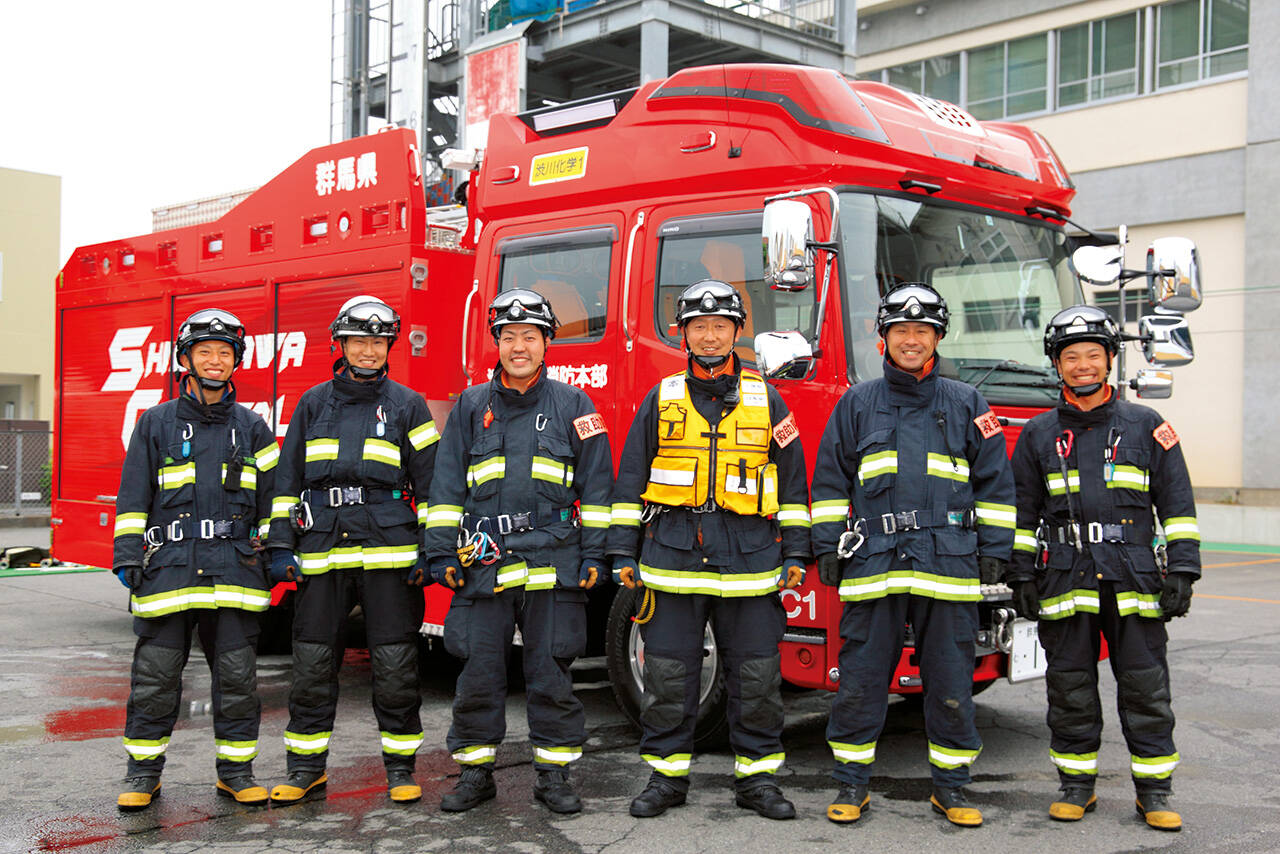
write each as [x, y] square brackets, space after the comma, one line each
[609, 207]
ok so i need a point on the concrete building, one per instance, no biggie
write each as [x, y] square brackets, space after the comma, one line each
[1170, 124]
[30, 228]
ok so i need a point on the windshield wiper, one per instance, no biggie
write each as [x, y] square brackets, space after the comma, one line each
[1010, 366]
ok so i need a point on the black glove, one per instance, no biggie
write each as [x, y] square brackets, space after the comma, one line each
[284, 566]
[1175, 598]
[1026, 599]
[829, 571]
[130, 575]
[419, 575]
[990, 569]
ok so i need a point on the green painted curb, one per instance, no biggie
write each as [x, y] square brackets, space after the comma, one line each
[1240, 547]
[47, 570]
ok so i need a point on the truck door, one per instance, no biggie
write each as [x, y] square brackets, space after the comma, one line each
[577, 268]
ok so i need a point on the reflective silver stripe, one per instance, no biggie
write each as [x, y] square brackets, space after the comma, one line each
[670, 477]
[626, 514]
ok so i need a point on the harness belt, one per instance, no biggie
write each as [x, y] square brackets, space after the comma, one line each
[516, 523]
[1093, 532]
[342, 496]
[903, 520]
[197, 529]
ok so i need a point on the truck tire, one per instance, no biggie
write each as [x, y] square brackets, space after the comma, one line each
[624, 652]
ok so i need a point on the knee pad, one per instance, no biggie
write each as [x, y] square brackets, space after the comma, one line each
[312, 673]
[1073, 707]
[395, 675]
[760, 689]
[157, 678]
[662, 706]
[238, 682]
[1144, 696]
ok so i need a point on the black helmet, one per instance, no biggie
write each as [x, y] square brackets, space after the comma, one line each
[1080, 323]
[913, 302]
[366, 316]
[211, 324]
[710, 298]
[521, 305]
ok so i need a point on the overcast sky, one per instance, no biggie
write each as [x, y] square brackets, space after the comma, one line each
[137, 104]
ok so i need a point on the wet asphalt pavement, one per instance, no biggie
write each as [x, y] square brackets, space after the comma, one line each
[64, 660]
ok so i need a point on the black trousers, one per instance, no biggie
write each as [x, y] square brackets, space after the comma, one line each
[872, 632]
[227, 636]
[393, 617]
[747, 631]
[1137, 647]
[553, 628]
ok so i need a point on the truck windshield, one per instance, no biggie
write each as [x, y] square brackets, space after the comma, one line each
[1003, 278]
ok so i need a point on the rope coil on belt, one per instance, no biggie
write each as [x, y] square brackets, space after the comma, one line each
[648, 605]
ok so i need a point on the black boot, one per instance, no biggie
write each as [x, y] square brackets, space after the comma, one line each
[1073, 803]
[659, 796]
[955, 806]
[1154, 807]
[553, 789]
[138, 792]
[401, 787]
[849, 804]
[301, 783]
[475, 786]
[763, 795]
[242, 788]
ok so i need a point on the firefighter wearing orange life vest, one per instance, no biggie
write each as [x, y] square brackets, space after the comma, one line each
[710, 518]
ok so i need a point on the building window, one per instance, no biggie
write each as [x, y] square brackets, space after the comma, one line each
[938, 77]
[1109, 58]
[1199, 39]
[1099, 60]
[1136, 304]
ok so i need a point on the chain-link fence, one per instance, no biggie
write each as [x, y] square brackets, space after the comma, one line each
[25, 467]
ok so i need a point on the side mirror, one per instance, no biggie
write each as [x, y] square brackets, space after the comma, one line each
[1173, 274]
[1153, 385]
[1097, 265]
[787, 232]
[783, 355]
[1168, 343]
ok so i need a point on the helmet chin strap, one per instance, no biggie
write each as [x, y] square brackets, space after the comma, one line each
[709, 362]
[365, 373]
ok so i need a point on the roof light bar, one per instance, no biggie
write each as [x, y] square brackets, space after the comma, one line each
[576, 114]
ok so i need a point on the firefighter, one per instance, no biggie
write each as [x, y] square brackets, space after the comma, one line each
[1090, 474]
[516, 528]
[912, 512]
[196, 483]
[711, 499]
[358, 448]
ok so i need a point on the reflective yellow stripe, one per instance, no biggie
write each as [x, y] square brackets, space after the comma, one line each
[381, 451]
[401, 745]
[1181, 528]
[624, 513]
[907, 581]
[1075, 763]
[1129, 602]
[675, 765]
[130, 523]
[267, 458]
[321, 449]
[1153, 767]
[556, 755]
[1024, 540]
[188, 598]
[478, 754]
[951, 757]
[363, 557]
[514, 574]
[793, 516]
[172, 477]
[146, 748]
[486, 470]
[1053, 481]
[441, 515]
[551, 471]
[874, 465]
[596, 516]
[951, 468]
[729, 584]
[235, 751]
[996, 515]
[281, 505]
[307, 743]
[248, 477]
[829, 511]
[423, 435]
[538, 578]
[863, 754]
[746, 767]
[1072, 602]
[1128, 477]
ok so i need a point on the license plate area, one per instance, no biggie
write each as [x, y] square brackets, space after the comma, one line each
[1026, 656]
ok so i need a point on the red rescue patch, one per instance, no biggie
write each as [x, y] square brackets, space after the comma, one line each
[590, 425]
[785, 431]
[1165, 435]
[989, 424]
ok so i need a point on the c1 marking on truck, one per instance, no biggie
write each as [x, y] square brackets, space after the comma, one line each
[566, 165]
